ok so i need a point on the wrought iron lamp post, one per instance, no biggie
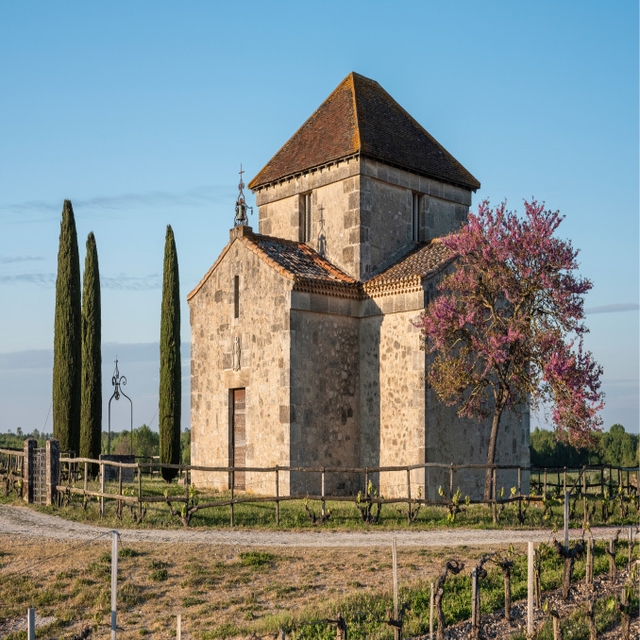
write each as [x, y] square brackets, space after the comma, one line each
[117, 381]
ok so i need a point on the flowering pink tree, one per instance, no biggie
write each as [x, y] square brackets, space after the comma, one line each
[507, 328]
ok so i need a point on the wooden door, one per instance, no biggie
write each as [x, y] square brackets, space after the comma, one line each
[238, 437]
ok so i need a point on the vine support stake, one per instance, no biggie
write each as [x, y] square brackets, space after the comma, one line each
[114, 581]
[530, 590]
[566, 520]
[431, 597]
[31, 623]
[394, 554]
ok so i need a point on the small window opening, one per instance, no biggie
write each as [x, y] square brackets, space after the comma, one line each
[415, 218]
[305, 217]
[236, 296]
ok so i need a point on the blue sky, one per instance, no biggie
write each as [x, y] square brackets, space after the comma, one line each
[141, 113]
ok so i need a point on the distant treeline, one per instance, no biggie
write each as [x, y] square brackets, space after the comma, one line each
[16, 440]
[614, 447]
[146, 443]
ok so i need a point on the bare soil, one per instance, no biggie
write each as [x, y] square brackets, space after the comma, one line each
[214, 578]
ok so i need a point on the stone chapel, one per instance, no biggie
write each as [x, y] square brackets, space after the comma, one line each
[303, 351]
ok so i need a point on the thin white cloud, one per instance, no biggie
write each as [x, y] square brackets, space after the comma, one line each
[613, 308]
[14, 259]
[119, 283]
[197, 196]
[131, 283]
[46, 280]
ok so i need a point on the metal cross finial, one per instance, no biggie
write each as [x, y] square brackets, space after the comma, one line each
[241, 206]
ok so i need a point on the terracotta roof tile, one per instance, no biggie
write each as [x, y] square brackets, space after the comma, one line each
[298, 259]
[311, 272]
[426, 260]
[360, 117]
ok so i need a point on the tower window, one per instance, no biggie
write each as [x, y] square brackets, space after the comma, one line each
[236, 296]
[415, 217]
[305, 217]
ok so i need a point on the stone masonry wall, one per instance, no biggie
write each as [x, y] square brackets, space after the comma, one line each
[361, 211]
[263, 335]
[325, 419]
[392, 391]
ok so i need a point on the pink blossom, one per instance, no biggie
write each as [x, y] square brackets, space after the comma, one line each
[508, 325]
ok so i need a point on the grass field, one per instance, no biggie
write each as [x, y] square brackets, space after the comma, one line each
[227, 592]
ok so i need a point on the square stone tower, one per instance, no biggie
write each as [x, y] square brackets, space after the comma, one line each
[304, 353]
[361, 181]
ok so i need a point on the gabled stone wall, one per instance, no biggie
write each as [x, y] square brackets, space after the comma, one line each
[262, 367]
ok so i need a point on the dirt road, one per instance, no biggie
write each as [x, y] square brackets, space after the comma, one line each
[27, 523]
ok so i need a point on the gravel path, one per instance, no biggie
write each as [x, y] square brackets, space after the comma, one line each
[26, 523]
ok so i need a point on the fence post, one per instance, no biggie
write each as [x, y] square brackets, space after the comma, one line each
[366, 483]
[544, 490]
[277, 496]
[139, 491]
[630, 551]
[102, 489]
[530, 590]
[233, 484]
[52, 466]
[409, 495]
[494, 494]
[450, 481]
[27, 468]
[322, 489]
[519, 480]
[114, 581]
[86, 480]
[179, 627]
[31, 623]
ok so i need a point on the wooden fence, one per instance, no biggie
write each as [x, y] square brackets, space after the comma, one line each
[592, 482]
[11, 470]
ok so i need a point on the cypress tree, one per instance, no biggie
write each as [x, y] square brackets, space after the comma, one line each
[91, 404]
[170, 373]
[67, 348]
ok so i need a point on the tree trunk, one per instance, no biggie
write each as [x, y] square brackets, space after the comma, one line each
[593, 631]
[455, 568]
[491, 452]
[566, 577]
[588, 571]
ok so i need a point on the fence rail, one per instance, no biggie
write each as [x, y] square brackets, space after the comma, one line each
[589, 482]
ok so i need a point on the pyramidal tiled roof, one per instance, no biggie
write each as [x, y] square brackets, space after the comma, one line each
[311, 272]
[360, 117]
